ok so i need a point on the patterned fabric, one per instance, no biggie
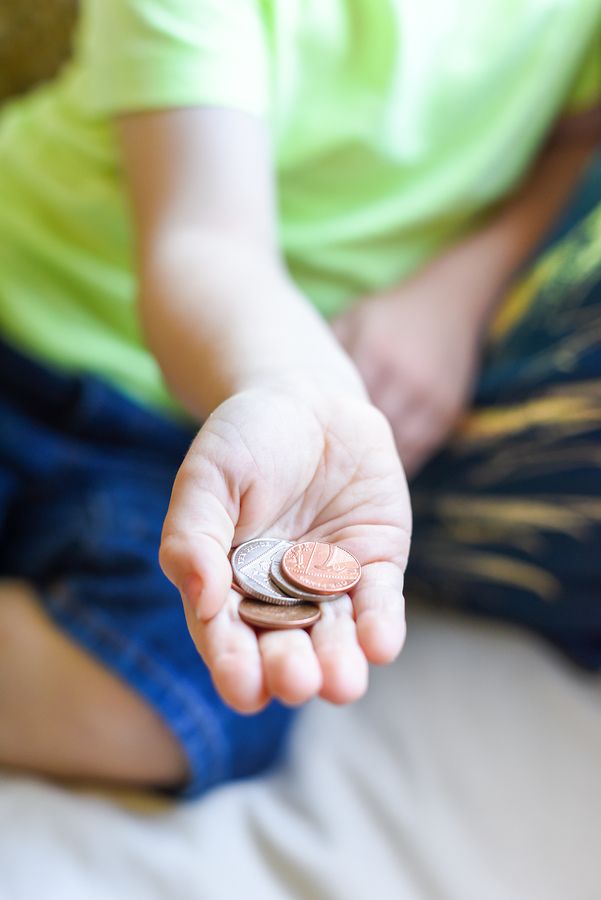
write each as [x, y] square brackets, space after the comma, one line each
[508, 516]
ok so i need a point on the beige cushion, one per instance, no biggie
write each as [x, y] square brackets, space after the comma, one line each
[469, 772]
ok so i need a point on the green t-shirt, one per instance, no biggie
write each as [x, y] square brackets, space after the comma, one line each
[394, 125]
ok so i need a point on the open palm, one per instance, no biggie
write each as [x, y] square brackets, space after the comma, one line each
[289, 465]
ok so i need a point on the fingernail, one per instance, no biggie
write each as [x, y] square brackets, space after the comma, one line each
[191, 592]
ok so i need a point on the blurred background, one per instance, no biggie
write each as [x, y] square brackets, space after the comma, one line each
[34, 40]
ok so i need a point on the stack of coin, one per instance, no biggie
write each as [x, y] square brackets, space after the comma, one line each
[283, 583]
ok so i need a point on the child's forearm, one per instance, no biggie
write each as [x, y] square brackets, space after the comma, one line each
[221, 315]
[217, 307]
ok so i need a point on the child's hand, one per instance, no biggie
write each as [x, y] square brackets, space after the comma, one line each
[418, 352]
[297, 465]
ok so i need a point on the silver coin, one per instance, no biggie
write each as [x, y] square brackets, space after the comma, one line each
[251, 562]
[278, 577]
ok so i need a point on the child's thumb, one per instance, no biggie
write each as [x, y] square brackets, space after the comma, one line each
[197, 536]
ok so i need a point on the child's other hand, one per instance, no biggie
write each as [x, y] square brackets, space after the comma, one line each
[295, 464]
[417, 350]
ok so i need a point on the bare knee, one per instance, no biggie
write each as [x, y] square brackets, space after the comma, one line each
[19, 612]
[66, 714]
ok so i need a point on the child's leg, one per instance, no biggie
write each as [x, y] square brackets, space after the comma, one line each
[64, 714]
[98, 674]
[508, 517]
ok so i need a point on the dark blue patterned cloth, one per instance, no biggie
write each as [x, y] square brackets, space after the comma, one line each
[508, 516]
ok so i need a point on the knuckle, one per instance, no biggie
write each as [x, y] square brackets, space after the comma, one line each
[170, 554]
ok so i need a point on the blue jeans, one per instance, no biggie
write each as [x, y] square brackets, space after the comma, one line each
[85, 479]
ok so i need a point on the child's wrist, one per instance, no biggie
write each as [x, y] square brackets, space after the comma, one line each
[308, 382]
[455, 286]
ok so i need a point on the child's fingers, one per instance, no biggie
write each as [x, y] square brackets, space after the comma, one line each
[380, 611]
[292, 671]
[231, 653]
[197, 536]
[343, 664]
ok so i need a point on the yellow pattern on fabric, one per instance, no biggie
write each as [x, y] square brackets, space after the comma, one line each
[485, 528]
[568, 263]
[498, 568]
[545, 410]
[509, 512]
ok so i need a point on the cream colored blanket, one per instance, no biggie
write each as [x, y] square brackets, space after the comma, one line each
[472, 771]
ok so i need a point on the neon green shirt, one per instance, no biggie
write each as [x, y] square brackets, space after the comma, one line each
[394, 124]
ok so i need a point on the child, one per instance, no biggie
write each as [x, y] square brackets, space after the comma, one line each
[276, 157]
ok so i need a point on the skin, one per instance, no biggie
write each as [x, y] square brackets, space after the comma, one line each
[64, 715]
[292, 446]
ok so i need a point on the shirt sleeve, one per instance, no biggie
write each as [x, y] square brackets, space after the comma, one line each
[141, 54]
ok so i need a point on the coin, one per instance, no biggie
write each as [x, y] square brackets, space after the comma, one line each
[266, 615]
[280, 579]
[250, 566]
[320, 567]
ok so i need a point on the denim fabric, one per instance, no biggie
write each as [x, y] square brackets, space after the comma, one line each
[85, 479]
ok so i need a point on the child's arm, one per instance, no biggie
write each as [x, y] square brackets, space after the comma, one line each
[418, 344]
[292, 447]
[217, 306]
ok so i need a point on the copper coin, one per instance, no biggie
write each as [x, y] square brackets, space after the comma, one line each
[276, 618]
[282, 582]
[320, 567]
